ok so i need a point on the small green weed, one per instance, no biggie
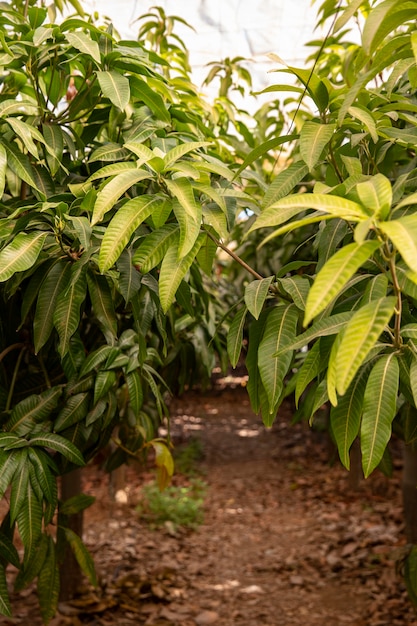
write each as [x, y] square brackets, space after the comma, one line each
[186, 458]
[182, 506]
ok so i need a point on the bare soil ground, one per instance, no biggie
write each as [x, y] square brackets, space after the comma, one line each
[285, 541]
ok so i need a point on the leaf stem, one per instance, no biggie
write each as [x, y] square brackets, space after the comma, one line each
[234, 256]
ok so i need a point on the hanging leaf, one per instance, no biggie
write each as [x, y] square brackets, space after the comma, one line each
[379, 409]
[33, 409]
[103, 304]
[129, 277]
[141, 90]
[254, 384]
[280, 329]
[83, 42]
[345, 418]
[164, 462]
[308, 371]
[298, 288]
[256, 293]
[66, 316]
[84, 558]
[359, 337]
[75, 409]
[19, 487]
[314, 138]
[104, 382]
[334, 275]
[403, 233]
[154, 247]
[376, 195]
[135, 390]
[54, 282]
[21, 254]
[29, 520]
[48, 583]
[42, 464]
[122, 226]
[235, 336]
[5, 606]
[188, 213]
[174, 270]
[59, 444]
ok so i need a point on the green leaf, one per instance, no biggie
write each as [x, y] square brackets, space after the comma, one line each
[135, 390]
[154, 247]
[115, 87]
[48, 583]
[141, 90]
[256, 293]
[314, 138]
[29, 520]
[256, 330]
[383, 19]
[375, 289]
[284, 183]
[19, 487]
[129, 277]
[7, 551]
[9, 462]
[59, 444]
[103, 304]
[280, 329]
[5, 606]
[53, 136]
[54, 282]
[113, 170]
[118, 233]
[403, 233]
[66, 316]
[359, 337]
[20, 164]
[345, 418]
[76, 504]
[348, 13]
[33, 409]
[331, 325]
[308, 371]
[376, 195]
[42, 463]
[21, 254]
[75, 409]
[174, 270]
[179, 151]
[262, 150]
[379, 409]
[363, 115]
[298, 288]
[283, 210]
[104, 382]
[111, 192]
[3, 168]
[82, 555]
[95, 358]
[83, 42]
[235, 336]
[334, 275]
[187, 211]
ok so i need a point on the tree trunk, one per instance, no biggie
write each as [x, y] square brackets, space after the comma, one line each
[410, 493]
[70, 571]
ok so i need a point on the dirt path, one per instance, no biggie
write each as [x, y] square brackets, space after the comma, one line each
[285, 541]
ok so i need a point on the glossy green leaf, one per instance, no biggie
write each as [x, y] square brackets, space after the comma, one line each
[403, 233]
[33, 409]
[67, 312]
[187, 211]
[103, 304]
[334, 275]
[104, 382]
[141, 90]
[174, 270]
[115, 87]
[29, 520]
[48, 583]
[283, 210]
[42, 465]
[254, 384]
[20, 164]
[280, 329]
[118, 233]
[314, 138]
[112, 191]
[54, 282]
[359, 337]
[59, 444]
[135, 390]
[83, 42]
[113, 170]
[95, 358]
[19, 487]
[235, 336]
[75, 409]
[8, 551]
[53, 136]
[256, 293]
[379, 409]
[21, 254]
[345, 418]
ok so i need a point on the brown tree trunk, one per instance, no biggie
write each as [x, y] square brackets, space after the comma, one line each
[70, 572]
[409, 487]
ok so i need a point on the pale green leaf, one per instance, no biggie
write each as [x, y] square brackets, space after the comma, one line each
[179, 151]
[83, 42]
[113, 190]
[215, 217]
[174, 270]
[286, 208]
[298, 288]
[376, 195]
[345, 418]
[112, 170]
[256, 293]
[379, 409]
[280, 329]
[334, 275]
[375, 289]
[235, 336]
[122, 226]
[154, 246]
[115, 87]
[308, 371]
[21, 254]
[363, 115]
[347, 14]
[54, 139]
[313, 139]
[360, 336]
[403, 233]
[3, 167]
[383, 19]
[188, 213]
[284, 183]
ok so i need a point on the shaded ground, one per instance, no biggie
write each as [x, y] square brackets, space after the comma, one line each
[285, 540]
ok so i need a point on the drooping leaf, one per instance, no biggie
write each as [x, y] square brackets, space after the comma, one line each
[21, 254]
[314, 138]
[76, 504]
[142, 91]
[103, 304]
[334, 275]
[104, 382]
[19, 487]
[135, 389]
[5, 606]
[59, 444]
[360, 336]
[54, 282]
[379, 409]
[115, 87]
[3, 167]
[174, 270]
[75, 409]
[403, 233]
[256, 331]
[43, 467]
[188, 213]
[308, 371]
[256, 293]
[29, 519]
[33, 409]
[66, 316]
[48, 583]
[118, 233]
[84, 558]
[8, 551]
[280, 329]
[345, 418]
[376, 195]
[154, 246]
[129, 277]
[164, 462]
[298, 288]
[83, 42]
[235, 336]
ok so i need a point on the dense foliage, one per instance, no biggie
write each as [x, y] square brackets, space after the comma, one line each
[121, 183]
